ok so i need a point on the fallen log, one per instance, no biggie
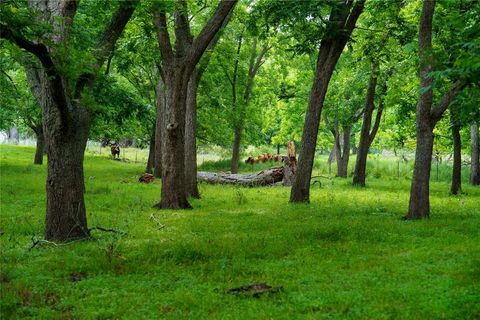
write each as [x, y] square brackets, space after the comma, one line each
[263, 178]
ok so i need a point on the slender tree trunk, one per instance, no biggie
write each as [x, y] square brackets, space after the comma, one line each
[236, 149]
[190, 139]
[367, 135]
[457, 161]
[151, 153]
[40, 149]
[158, 129]
[343, 151]
[329, 53]
[475, 164]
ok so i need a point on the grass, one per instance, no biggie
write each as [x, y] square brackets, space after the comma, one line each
[346, 255]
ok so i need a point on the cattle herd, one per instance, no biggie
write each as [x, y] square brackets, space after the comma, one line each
[264, 158]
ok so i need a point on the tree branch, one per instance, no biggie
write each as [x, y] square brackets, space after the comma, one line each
[202, 41]
[106, 43]
[437, 112]
[163, 38]
[183, 37]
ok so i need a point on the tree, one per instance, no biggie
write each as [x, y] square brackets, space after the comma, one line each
[341, 24]
[367, 133]
[63, 97]
[177, 66]
[427, 117]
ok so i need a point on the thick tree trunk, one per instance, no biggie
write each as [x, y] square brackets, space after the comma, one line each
[419, 206]
[475, 164]
[66, 135]
[66, 215]
[457, 161]
[236, 149]
[40, 148]
[329, 53]
[190, 139]
[158, 129]
[173, 194]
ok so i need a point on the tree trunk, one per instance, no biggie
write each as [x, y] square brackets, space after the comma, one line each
[236, 149]
[160, 102]
[177, 68]
[457, 161]
[475, 164]
[173, 194]
[343, 152]
[66, 215]
[190, 139]
[419, 206]
[40, 149]
[367, 136]
[329, 53]
[151, 154]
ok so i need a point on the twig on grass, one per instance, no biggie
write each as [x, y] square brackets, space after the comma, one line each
[107, 230]
[160, 225]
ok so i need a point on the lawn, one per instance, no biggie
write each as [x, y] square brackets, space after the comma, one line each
[346, 255]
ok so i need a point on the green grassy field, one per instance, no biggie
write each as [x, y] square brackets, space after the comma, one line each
[346, 255]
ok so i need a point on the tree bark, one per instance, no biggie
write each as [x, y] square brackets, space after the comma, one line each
[331, 47]
[456, 186]
[475, 164]
[191, 139]
[40, 148]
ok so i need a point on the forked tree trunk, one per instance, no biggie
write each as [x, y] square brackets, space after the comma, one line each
[190, 139]
[341, 18]
[366, 137]
[475, 164]
[457, 161]
[177, 68]
[40, 148]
